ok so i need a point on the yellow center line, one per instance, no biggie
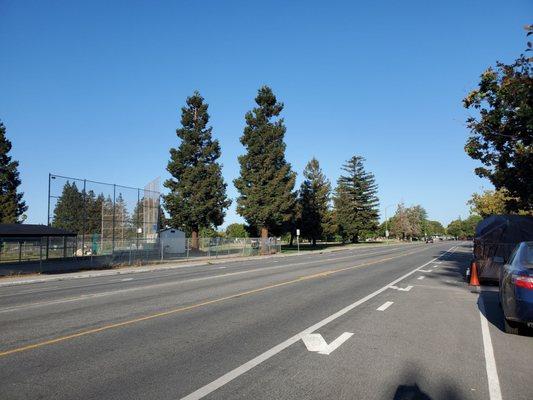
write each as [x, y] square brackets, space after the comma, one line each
[197, 305]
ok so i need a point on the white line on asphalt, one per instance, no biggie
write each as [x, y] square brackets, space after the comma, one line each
[405, 289]
[385, 305]
[436, 266]
[421, 277]
[228, 377]
[315, 342]
[156, 285]
[424, 270]
[254, 268]
[126, 279]
[490, 362]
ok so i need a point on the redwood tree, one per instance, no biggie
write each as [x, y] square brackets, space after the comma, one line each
[197, 197]
[266, 181]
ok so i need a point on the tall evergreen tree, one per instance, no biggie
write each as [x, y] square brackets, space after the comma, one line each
[94, 212]
[314, 199]
[356, 202]
[266, 182]
[12, 207]
[69, 209]
[197, 197]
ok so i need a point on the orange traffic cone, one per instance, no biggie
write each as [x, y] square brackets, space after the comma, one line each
[474, 281]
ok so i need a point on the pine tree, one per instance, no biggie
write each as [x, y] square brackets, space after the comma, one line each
[314, 198]
[266, 182]
[12, 207]
[94, 212]
[69, 209]
[356, 202]
[197, 197]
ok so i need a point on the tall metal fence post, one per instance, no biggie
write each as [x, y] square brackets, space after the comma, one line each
[41, 255]
[113, 223]
[49, 184]
[138, 219]
[84, 217]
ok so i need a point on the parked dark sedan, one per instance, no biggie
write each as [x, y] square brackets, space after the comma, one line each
[516, 288]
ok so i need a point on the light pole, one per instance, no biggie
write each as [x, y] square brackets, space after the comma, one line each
[387, 221]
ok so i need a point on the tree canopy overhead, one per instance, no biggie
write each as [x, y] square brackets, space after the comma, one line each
[197, 197]
[266, 181]
[501, 133]
[12, 207]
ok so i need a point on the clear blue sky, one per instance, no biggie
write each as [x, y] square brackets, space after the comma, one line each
[93, 89]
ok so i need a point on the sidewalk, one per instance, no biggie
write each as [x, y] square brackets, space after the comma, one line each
[38, 278]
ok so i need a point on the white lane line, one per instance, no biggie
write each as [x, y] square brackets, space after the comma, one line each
[424, 270]
[421, 277]
[235, 373]
[490, 362]
[385, 305]
[254, 268]
[156, 285]
[436, 266]
[126, 279]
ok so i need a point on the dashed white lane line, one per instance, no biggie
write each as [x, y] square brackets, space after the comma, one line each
[126, 279]
[247, 366]
[424, 270]
[490, 362]
[421, 277]
[385, 305]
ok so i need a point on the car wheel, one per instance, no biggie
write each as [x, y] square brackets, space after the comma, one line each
[511, 327]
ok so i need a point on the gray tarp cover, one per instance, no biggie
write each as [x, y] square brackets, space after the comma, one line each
[497, 236]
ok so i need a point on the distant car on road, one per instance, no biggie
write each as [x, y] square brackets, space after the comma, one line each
[516, 288]
[430, 240]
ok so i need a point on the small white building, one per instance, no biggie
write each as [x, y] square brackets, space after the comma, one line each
[173, 241]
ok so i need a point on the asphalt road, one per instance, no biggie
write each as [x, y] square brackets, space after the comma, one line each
[390, 322]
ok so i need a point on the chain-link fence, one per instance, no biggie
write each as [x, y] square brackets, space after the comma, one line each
[104, 216]
[65, 254]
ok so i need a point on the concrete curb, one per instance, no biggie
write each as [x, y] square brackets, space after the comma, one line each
[8, 281]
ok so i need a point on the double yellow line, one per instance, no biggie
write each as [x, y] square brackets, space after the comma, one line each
[197, 305]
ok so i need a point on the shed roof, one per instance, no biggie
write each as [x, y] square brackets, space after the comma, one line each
[29, 230]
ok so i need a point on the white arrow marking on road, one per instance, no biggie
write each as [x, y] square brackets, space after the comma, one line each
[385, 305]
[316, 343]
[406, 289]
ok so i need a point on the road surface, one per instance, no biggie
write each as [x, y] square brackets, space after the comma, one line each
[384, 322]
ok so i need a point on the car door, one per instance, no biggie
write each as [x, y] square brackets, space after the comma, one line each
[507, 290]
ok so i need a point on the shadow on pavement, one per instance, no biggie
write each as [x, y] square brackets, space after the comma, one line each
[410, 388]
[488, 304]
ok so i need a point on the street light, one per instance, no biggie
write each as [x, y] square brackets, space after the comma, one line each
[386, 220]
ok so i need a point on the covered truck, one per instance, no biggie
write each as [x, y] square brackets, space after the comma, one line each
[496, 237]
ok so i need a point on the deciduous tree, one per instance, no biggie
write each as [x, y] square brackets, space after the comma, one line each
[502, 130]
